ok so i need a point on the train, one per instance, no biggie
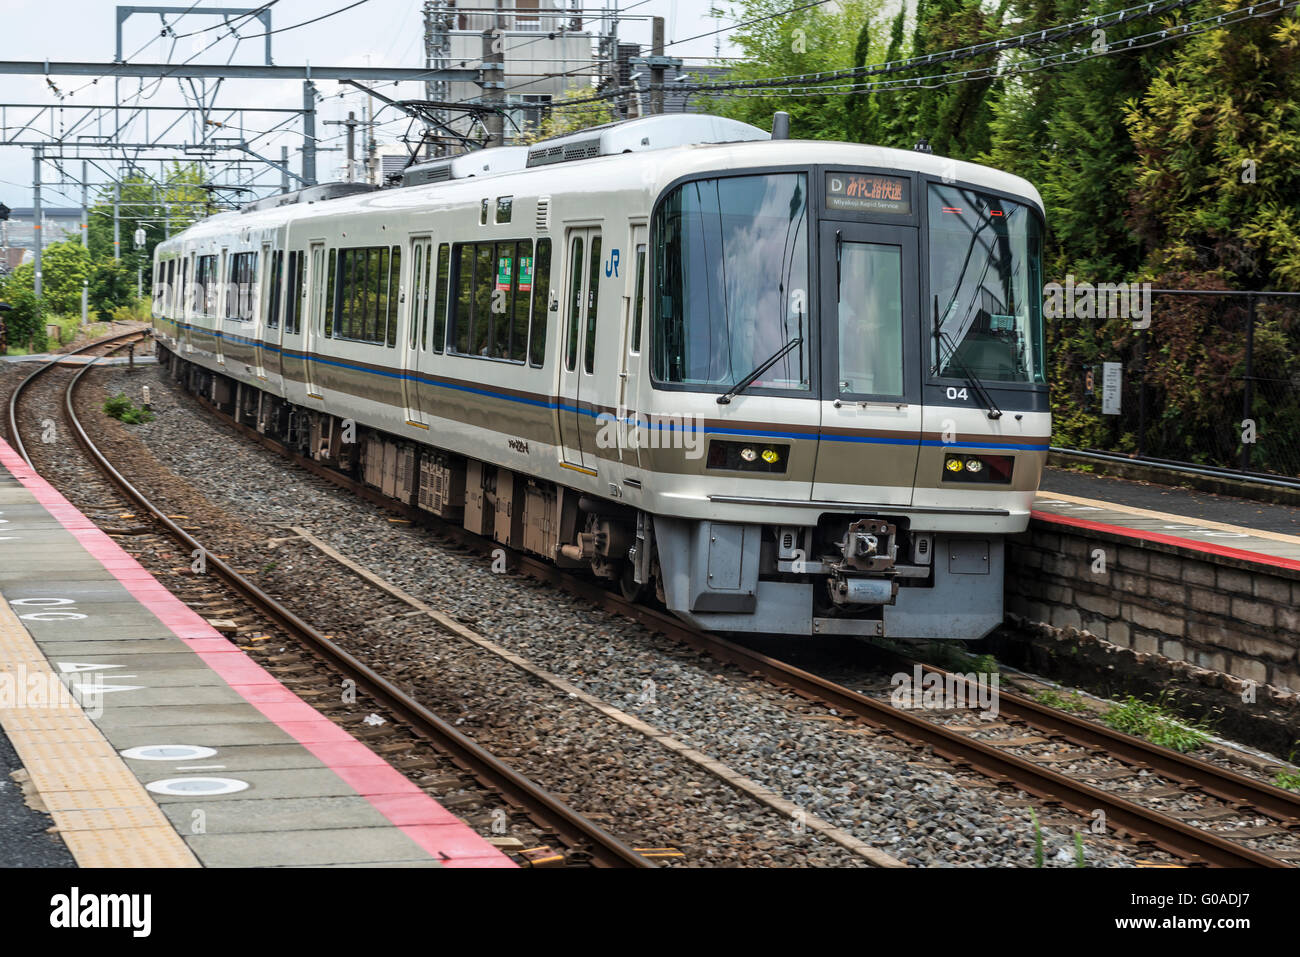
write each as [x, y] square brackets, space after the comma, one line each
[781, 387]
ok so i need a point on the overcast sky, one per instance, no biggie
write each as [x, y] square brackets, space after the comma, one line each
[378, 33]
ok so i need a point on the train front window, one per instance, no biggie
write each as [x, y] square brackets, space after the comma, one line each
[731, 282]
[869, 304]
[985, 287]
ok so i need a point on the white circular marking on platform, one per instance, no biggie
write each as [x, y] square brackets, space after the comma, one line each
[188, 787]
[168, 752]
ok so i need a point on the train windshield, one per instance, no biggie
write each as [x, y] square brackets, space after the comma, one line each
[731, 282]
[986, 287]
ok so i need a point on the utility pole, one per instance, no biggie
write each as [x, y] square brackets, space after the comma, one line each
[656, 65]
[117, 222]
[309, 132]
[372, 148]
[494, 85]
[37, 156]
[85, 240]
[351, 123]
[85, 208]
[437, 50]
[284, 169]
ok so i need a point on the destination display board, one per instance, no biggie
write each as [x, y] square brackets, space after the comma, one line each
[868, 193]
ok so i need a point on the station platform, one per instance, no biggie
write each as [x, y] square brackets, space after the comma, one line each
[151, 740]
[1234, 528]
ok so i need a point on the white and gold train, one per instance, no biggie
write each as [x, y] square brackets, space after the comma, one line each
[791, 387]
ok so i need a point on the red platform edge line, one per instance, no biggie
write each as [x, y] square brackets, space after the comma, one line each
[1225, 551]
[435, 829]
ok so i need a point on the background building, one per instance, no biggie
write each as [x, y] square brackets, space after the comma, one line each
[17, 236]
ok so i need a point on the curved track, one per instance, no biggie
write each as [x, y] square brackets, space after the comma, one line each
[604, 848]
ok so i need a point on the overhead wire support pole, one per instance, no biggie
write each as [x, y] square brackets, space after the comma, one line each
[117, 220]
[308, 133]
[351, 123]
[494, 84]
[37, 241]
[85, 207]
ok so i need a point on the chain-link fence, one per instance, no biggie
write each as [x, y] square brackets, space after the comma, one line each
[1205, 378]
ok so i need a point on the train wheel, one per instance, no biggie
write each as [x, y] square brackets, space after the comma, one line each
[628, 585]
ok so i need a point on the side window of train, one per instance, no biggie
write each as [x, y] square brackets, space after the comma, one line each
[638, 307]
[273, 310]
[331, 292]
[293, 293]
[541, 298]
[443, 280]
[367, 284]
[239, 288]
[394, 285]
[492, 282]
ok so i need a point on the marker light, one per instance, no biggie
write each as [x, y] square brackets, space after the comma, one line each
[748, 455]
[954, 465]
[770, 456]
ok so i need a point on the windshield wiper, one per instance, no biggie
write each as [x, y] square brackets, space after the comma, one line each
[940, 338]
[749, 380]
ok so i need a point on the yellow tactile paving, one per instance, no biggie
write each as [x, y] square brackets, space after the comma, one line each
[113, 819]
[135, 847]
[52, 725]
[82, 781]
[92, 800]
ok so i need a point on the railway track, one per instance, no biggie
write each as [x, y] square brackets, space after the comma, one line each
[1198, 845]
[587, 841]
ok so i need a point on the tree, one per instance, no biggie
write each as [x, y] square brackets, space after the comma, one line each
[64, 267]
[111, 286]
[581, 116]
[161, 207]
[814, 40]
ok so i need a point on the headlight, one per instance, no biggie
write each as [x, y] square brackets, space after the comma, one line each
[982, 469]
[748, 455]
[770, 456]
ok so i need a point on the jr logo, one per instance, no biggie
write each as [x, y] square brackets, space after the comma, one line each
[611, 267]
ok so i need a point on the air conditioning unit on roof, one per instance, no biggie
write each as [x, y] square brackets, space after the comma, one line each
[501, 159]
[646, 133]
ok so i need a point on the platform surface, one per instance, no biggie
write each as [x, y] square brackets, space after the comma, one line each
[1212, 524]
[153, 741]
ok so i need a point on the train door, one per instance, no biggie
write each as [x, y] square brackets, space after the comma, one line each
[222, 284]
[273, 313]
[260, 330]
[315, 291]
[577, 414]
[415, 342]
[870, 434]
[629, 383]
[189, 305]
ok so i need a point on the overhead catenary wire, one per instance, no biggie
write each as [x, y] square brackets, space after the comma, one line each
[813, 89]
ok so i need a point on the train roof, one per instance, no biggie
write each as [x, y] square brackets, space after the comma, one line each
[653, 169]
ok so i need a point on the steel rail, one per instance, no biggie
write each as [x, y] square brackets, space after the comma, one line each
[15, 437]
[1237, 789]
[1175, 836]
[545, 808]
